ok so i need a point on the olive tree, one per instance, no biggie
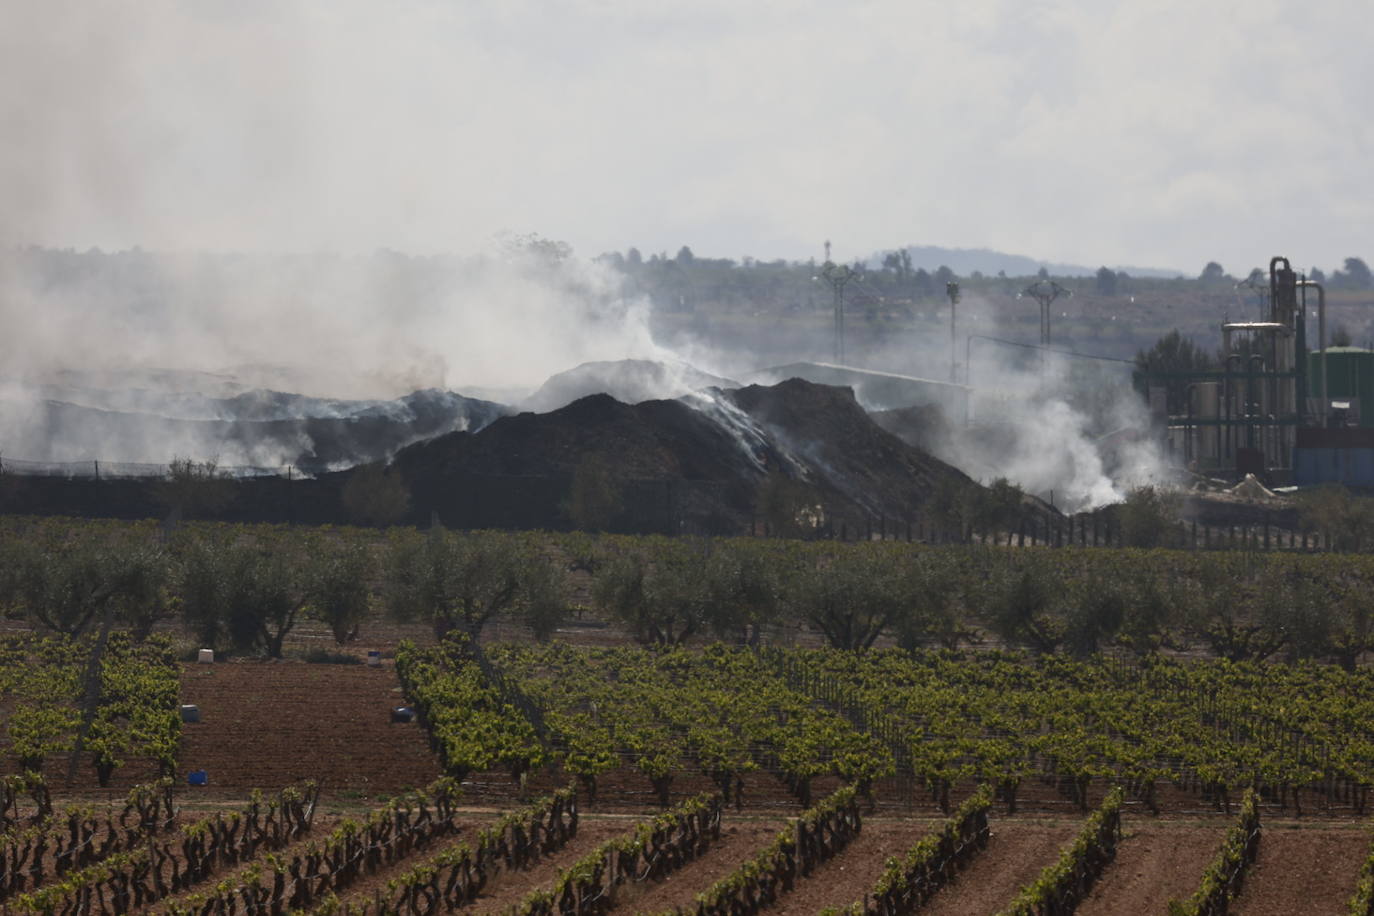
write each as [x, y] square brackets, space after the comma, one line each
[463, 580]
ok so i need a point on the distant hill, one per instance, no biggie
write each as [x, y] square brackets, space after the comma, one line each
[964, 261]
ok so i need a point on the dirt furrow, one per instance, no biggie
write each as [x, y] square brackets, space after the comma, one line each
[740, 839]
[850, 875]
[468, 828]
[1017, 852]
[1155, 862]
[512, 887]
[1302, 868]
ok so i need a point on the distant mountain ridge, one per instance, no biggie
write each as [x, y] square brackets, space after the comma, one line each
[964, 261]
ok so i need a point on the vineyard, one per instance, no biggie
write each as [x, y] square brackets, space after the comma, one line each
[97, 706]
[743, 780]
[883, 728]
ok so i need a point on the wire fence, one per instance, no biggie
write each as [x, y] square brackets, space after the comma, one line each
[130, 470]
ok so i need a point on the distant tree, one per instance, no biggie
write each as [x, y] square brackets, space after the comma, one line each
[849, 594]
[944, 275]
[899, 263]
[662, 596]
[1149, 517]
[1212, 273]
[995, 508]
[67, 586]
[922, 282]
[1355, 275]
[1022, 610]
[685, 256]
[462, 581]
[633, 257]
[1174, 353]
[197, 487]
[1106, 281]
[1316, 275]
[240, 596]
[1340, 336]
[1346, 520]
[337, 576]
[1043, 273]
[535, 248]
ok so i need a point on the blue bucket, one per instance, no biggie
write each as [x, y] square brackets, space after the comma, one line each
[197, 778]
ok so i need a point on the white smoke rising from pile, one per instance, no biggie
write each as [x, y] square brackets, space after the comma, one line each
[1070, 428]
[174, 335]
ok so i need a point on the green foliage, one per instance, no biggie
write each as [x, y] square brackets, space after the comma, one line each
[338, 586]
[1362, 902]
[242, 596]
[849, 594]
[1345, 519]
[1062, 886]
[1149, 517]
[66, 584]
[135, 710]
[1222, 879]
[462, 580]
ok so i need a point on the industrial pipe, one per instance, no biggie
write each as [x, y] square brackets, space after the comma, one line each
[1321, 342]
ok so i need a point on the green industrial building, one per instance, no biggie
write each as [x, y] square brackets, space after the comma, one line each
[1349, 379]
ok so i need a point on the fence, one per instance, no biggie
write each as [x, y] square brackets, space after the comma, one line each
[1096, 529]
[127, 470]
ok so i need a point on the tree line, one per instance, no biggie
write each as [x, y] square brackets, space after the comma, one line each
[245, 589]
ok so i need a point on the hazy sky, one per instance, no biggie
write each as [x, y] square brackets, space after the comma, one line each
[1148, 133]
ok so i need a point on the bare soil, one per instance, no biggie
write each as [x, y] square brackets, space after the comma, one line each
[1302, 868]
[267, 725]
[468, 829]
[741, 838]
[1017, 852]
[512, 887]
[847, 877]
[1156, 861]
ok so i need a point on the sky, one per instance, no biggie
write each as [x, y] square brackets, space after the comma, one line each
[1145, 132]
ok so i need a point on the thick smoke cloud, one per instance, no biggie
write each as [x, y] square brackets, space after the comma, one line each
[176, 335]
[191, 126]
